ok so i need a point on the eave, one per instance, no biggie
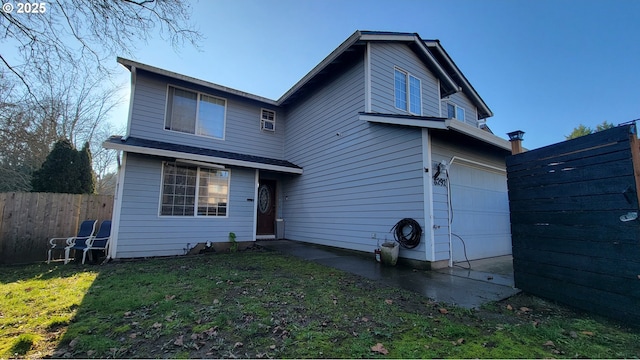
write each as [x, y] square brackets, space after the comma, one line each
[467, 88]
[130, 64]
[438, 124]
[213, 157]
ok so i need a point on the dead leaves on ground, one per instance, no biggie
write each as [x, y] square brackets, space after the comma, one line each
[379, 348]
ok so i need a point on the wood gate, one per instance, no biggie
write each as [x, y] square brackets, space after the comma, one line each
[574, 222]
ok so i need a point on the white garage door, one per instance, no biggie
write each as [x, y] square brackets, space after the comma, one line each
[480, 212]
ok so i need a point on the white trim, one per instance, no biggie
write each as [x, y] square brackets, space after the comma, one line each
[131, 99]
[318, 68]
[474, 94]
[265, 237]
[197, 119]
[133, 64]
[255, 204]
[367, 78]
[409, 93]
[497, 169]
[263, 121]
[196, 157]
[440, 100]
[387, 37]
[196, 195]
[431, 124]
[439, 68]
[117, 209]
[200, 163]
[479, 134]
[448, 124]
[427, 186]
[407, 90]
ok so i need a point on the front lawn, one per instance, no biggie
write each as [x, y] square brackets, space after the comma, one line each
[262, 304]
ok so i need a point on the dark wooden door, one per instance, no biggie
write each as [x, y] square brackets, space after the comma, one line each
[266, 207]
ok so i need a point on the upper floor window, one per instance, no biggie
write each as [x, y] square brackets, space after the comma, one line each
[408, 92]
[195, 113]
[194, 191]
[455, 112]
[268, 120]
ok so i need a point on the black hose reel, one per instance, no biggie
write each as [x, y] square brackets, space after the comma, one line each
[407, 233]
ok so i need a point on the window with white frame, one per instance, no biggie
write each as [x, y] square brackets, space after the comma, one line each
[195, 113]
[193, 191]
[267, 120]
[455, 112]
[408, 92]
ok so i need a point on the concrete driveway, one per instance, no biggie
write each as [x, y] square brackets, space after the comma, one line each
[485, 281]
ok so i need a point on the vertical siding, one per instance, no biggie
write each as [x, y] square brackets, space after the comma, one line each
[242, 127]
[359, 178]
[142, 232]
[486, 233]
[384, 57]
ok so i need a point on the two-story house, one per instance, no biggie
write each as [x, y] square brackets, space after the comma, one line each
[386, 127]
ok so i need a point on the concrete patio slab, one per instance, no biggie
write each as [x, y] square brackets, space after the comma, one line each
[486, 280]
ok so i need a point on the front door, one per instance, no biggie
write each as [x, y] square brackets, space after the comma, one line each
[266, 207]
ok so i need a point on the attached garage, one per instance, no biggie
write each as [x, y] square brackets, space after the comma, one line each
[480, 211]
[470, 200]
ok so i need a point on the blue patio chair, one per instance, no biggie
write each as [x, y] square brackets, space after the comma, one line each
[77, 243]
[85, 231]
[98, 242]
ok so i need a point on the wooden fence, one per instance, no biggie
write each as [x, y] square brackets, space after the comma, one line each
[575, 239]
[28, 220]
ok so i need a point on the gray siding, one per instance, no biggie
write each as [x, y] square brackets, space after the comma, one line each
[143, 232]
[359, 178]
[242, 127]
[460, 99]
[486, 233]
[386, 56]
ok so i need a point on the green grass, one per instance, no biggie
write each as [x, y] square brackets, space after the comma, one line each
[260, 304]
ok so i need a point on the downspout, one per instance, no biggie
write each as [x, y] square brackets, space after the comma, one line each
[450, 207]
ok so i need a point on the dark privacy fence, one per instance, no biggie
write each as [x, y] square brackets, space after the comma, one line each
[573, 220]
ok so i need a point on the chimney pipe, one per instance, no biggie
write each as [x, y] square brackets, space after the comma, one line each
[515, 137]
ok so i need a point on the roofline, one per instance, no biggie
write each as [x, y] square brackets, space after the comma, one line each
[196, 157]
[327, 60]
[440, 124]
[130, 64]
[371, 36]
[474, 132]
[466, 83]
[414, 121]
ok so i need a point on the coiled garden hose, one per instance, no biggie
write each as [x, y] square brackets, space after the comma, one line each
[407, 233]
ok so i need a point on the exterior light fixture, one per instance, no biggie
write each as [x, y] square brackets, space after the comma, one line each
[516, 141]
[516, 135]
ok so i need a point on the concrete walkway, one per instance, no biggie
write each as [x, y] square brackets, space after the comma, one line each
[488, 279]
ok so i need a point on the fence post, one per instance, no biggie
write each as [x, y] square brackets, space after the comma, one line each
[635, 158]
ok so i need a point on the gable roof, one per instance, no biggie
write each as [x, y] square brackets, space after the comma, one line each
[357, 41]
[430, 51]
[452, 69]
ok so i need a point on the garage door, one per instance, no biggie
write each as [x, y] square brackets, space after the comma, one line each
[480, 212]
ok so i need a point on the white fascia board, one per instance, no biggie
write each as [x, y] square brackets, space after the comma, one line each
[196, 157]
[477, 133]
[324, 63]
[443, 74]
[387, 37]
[474, 94]
[430, 124]
[140, 66]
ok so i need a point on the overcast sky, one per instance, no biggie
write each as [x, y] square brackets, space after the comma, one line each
[542, 66]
